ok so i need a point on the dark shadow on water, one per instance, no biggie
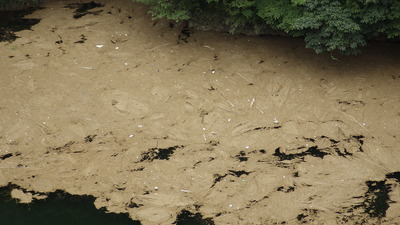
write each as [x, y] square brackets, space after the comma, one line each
[313, 151]
[394, 175]
[159, 153]
[82, 9]
[14, 21]
[189, 218]
[377, 198]
[59, 208]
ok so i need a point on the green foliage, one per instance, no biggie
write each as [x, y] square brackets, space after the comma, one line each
[329, 26]
[171, 9]
[326, 25]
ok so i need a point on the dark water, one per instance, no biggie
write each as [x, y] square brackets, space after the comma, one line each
[14, 21]
[59, 208]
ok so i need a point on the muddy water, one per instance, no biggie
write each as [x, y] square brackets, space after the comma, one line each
[164, 123]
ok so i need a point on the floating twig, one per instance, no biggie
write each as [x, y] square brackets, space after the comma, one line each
[206, 46]
[361, 125]
[166, 99]
[230, 103]
[244, 78]
[260, 110]
[155, 47]
[233, 106]
[252, 102]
